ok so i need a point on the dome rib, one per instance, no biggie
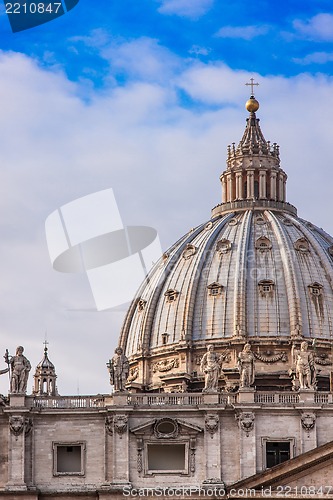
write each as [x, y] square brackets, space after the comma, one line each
[240, 281]
[290, 277]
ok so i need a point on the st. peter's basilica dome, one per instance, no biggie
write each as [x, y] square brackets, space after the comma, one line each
[255, 272]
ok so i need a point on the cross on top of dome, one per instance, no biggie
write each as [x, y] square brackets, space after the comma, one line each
[252, 84]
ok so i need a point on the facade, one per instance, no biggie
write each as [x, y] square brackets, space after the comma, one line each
[223, 374]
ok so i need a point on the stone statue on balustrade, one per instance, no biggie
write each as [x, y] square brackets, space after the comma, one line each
[118, 368]
[20, 367]
[211, 367]
[304, 363]
[246, 367]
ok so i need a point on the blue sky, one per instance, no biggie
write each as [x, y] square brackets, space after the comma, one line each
[144, 97]
[296, 36]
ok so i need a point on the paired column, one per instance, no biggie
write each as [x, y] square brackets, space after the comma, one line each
[224, 189]
[273, 185]
[262, 184]
[239, 186]
[250, 184]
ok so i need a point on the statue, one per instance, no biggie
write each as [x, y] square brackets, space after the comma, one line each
[246, 367]
[20, 367]
[211, 366]
[305, 366]
[119, 369]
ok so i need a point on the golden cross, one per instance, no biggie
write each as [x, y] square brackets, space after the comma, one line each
[45, 344]
[252, 85]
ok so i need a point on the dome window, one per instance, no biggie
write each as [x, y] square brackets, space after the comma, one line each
[189, 251]
[165, 337]
[263, 244]
[316, 289]
[215, 289]
[171, 295]
[209, 225]
[223, 246]
[141, 305]
[330, 250]
[260, 220]
[233, 222]
[287, 222]
[266, 286]
[302, 245]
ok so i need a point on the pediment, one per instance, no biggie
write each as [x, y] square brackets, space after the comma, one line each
[313, 468]
[150, 424]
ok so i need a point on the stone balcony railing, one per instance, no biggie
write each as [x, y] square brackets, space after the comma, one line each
[150, 400]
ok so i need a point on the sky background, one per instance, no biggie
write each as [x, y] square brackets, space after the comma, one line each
[144, 97]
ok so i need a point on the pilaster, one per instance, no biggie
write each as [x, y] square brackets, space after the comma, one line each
[273, 185]
[120, 476]
[247, 442]
[212, 440]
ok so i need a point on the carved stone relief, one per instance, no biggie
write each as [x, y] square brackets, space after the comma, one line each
[120, 424]
[308, 421]
[189, 251]
[16, 424]
[165, 365]
[28, 424]
[211, 423]
[246, 421]
[139, 444]
[109, 425]
[133, 374]
[193, 445]
[271, 357]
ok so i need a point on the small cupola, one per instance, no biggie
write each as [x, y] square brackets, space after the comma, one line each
[45, 377]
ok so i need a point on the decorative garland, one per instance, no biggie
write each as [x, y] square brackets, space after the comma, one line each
[282, 356]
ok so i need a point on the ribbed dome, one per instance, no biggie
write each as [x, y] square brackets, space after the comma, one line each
[255, 272]
[45, 363]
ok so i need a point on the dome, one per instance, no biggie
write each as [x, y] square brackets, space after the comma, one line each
[255, 272]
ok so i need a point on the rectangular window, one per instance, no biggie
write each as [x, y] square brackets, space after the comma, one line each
[167, 458]
[68, 459]
[277, 452]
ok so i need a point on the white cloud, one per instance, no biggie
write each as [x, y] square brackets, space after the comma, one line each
[163, 162]
[197, 50]
[318, 28]
[185, 8]
[143, 58]
[315, 57]
[244, 32]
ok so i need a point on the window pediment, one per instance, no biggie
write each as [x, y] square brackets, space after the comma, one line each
[171, 295]
[302, 245]
[223, 246]
[263, 244]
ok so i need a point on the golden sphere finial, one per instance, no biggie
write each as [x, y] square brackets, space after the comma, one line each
[252, 105]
